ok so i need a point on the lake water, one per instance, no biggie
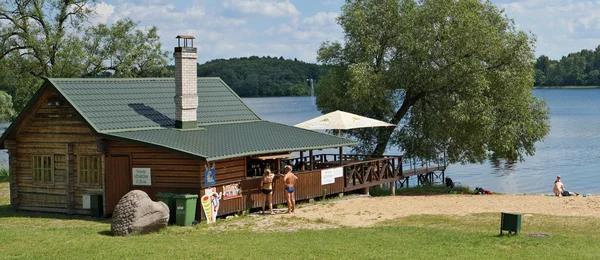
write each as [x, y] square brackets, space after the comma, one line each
[572, 149]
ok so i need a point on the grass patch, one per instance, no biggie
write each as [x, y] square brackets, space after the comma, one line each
[418, 190]
[423, 190]
[4, 174]
[49, 236]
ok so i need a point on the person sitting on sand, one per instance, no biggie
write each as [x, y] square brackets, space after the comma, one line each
[559, 188]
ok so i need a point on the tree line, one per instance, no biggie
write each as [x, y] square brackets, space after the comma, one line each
[576, 69]
[264, 77]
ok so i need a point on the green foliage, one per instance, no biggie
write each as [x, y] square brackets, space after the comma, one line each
[131, 52]
[423, 190]
[455, 75]
[6, 107]
[49, 38]
[378, 191]
[4, 174]
[263, 77]
[576, 69]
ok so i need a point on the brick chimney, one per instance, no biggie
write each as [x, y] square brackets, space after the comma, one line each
[186, 96]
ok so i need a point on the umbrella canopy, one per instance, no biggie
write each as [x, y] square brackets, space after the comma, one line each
[341, 120]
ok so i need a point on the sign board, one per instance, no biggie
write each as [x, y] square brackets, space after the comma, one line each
[86, 201]
[328, 175]
[232, 191]
[210, 175]
[141, 176]
[210, 203]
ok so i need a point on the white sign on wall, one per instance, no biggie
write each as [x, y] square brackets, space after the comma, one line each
[328, 175]
[141, 176]
[86, 201]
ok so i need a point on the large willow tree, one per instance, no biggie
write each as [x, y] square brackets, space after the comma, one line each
[456, 76]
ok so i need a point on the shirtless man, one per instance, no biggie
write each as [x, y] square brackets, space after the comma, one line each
[290, 180]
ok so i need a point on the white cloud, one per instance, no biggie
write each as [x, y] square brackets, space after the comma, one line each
[233, 28]
[102, 11]
[272, 8]
[322, 19]
[561, 27]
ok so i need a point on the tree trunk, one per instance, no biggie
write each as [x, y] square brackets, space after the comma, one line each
[385, 133]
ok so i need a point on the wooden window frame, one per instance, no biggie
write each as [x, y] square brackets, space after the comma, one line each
[89, 179]
[41, 166]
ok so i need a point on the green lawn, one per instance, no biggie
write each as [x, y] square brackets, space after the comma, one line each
[38, 236]
[3, 174]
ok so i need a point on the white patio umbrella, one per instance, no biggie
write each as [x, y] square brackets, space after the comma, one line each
[341, 120]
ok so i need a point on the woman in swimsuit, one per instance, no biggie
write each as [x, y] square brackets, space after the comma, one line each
[266, 183]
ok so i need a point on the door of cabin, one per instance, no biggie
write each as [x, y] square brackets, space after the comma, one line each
[118, 180]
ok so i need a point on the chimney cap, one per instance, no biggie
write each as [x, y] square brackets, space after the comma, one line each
[185, 37]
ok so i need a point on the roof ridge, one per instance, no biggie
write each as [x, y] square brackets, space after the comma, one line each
[231, 122]
[126, 79]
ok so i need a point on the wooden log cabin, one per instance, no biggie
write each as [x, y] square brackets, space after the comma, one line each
[110, 136]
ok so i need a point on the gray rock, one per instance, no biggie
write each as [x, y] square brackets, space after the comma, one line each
[136, 213]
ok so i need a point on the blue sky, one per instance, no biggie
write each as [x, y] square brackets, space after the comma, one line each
[296, 28]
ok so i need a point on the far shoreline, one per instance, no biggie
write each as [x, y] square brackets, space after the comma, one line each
[566, 87]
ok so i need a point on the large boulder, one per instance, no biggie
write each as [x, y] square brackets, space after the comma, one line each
[136, 213]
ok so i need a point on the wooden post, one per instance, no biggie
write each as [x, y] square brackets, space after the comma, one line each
[366, 191]
[70, 180]
[302, 160]
[312, 161]
[393, 188]
[278, 166]
[341, 155]
[11, 145]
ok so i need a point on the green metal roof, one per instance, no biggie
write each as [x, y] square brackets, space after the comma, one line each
[143, 111]
[116, 104]
[221, 141]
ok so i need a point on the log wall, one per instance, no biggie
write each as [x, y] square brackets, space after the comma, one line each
[174, 173]
[52, 129]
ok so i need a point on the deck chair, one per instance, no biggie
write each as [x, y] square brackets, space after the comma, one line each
[451, 185]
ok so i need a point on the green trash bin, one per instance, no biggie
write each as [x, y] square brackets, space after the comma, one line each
[96, 205]
[185, 209]
[168, 198]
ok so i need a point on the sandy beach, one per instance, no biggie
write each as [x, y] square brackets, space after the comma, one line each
[366, 211]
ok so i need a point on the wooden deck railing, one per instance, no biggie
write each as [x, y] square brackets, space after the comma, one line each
[372, 171]
[414, 166]
[361, 171]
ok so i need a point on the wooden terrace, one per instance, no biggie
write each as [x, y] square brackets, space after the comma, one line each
[363, 171]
